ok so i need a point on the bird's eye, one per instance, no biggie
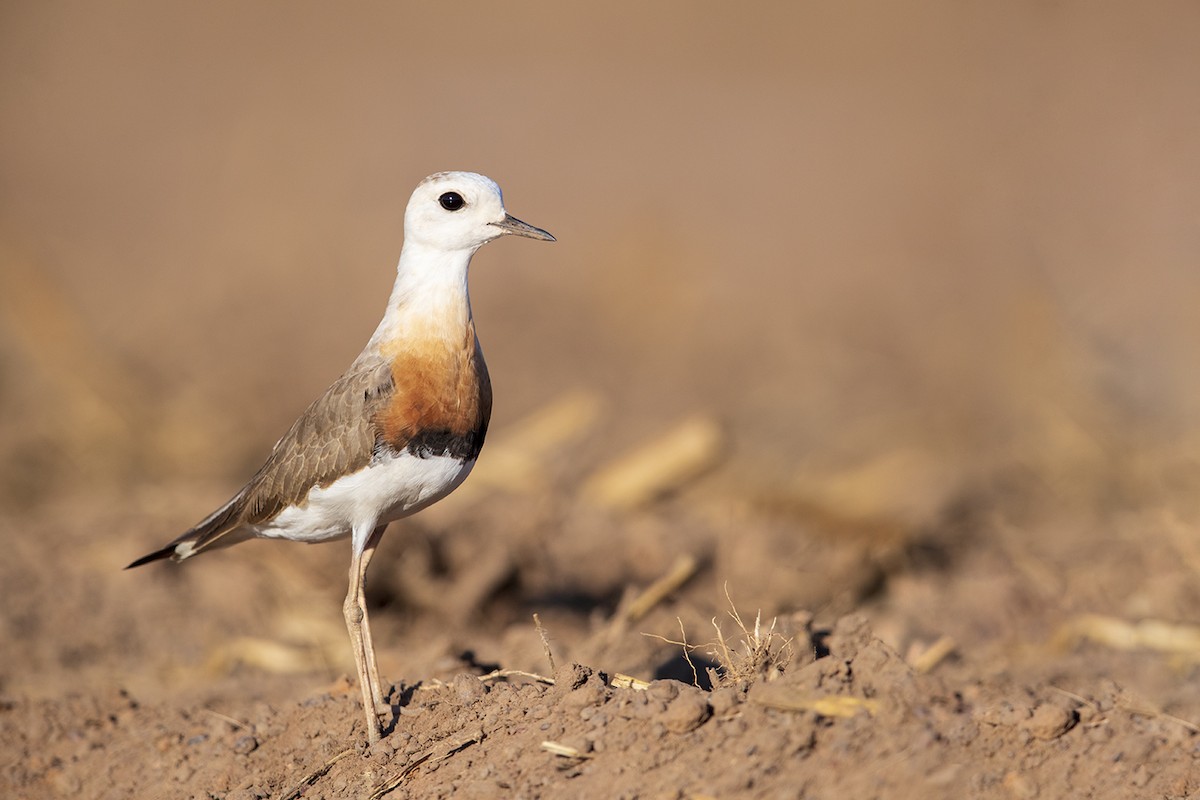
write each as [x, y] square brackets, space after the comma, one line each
[452, 201]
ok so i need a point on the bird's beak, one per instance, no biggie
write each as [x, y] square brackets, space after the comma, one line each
[511, 224]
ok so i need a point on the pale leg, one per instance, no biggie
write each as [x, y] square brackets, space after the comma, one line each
[355, 611]
[368, 644]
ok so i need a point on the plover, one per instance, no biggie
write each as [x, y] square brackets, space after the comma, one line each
[400, 429]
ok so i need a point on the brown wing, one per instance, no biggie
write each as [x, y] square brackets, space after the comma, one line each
[333, 437]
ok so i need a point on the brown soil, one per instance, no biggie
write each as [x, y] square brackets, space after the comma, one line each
[844, 445]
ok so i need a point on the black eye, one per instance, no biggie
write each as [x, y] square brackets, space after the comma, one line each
[452, 201]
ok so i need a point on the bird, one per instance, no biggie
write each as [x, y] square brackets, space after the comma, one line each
[400, 429]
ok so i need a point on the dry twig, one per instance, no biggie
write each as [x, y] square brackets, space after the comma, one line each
[824, 705]
[935, 654]
[681, 572]
[622, 681]
[537, 624]
[662, 466]
[497, 674]
[1149, 634]
[315, 775]
[566, 751]
[391, 784]
[683, 643]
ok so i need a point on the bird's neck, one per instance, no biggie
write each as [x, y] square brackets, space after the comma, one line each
[429, 301]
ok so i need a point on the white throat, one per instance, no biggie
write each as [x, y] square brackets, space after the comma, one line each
[429, 297]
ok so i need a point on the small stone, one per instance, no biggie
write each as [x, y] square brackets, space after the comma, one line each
[245, 744]
[468, 688]
[1049, 722]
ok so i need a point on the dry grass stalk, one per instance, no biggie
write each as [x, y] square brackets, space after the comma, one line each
[680, 573]
[1160, 714]
[265, 654]
[662, 466]
[761, 653]
[823, 705]
[435, 684]
[236, 724]
[687, 649]
[440, 753]
[499, 674]
[935, 654]
[566, 751]
[622, 681]
[315, 775]
[537, 624]
[1150, 634]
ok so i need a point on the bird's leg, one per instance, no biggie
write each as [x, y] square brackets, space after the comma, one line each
[368, 646]
[355, 611]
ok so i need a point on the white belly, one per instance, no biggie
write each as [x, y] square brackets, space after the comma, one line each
[386, 490]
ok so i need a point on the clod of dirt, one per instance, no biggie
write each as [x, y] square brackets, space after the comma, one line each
[723, 701]
[1049, 722]
[579, 687]
[571, 677]
[686, 712]
[468, 688]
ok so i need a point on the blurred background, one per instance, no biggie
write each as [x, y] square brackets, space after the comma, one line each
[898, 257]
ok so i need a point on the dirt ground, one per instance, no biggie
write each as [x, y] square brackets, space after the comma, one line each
[845, 444]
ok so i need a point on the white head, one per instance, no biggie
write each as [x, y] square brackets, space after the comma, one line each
[456, 211]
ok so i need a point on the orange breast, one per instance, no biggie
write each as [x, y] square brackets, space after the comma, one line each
[442, 400]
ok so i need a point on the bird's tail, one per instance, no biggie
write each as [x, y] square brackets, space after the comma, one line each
[221, 528]
[166, 552]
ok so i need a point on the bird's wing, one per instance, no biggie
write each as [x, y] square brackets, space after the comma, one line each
[335, 436]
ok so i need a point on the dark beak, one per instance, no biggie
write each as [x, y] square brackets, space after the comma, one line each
[511, 224]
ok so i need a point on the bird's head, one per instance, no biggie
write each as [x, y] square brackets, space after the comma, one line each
[461, 211]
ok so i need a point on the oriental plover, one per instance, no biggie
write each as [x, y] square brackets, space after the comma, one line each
[400, 429]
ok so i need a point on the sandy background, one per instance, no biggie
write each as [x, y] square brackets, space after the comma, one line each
[954, 227]
[931, 268]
